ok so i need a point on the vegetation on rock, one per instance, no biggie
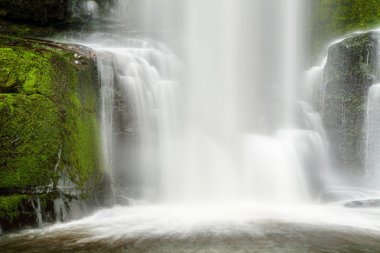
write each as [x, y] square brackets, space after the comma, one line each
[334, 18]
[48, 121]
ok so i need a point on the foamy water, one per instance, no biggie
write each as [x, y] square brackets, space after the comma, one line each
[233, 227]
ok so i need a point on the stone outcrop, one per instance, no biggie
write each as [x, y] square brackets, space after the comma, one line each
[49, 132]
[349, 72]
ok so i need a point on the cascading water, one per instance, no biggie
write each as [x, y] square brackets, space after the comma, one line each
[225, 128]
[138, 112]
[372, 125]
[372, 131]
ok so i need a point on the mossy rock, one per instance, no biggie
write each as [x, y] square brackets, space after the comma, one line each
[349, 72]
[48, 122]
[29, 140]
[12, 210]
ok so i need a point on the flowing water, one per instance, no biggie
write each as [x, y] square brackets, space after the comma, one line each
[219, 125]
[235, 227]
[209, 137]
[372, 131]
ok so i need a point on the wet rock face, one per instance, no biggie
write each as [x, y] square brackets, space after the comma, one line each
[42, 12]
[350, 70]
[49, 144]
[87, 9]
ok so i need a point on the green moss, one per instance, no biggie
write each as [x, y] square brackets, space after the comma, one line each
[80, 156]
[48, 120]
[86, 143]
[23, 70]
[334, 18]
[9, 205]
[30, 140]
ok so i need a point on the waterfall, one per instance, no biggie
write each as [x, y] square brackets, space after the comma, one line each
[213, 138]
[315, 89]
[222, 118]
[371, 126]
[372, 131]
[138, 112]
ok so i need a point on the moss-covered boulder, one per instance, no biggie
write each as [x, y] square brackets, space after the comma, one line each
[350, 70]
[49, 144]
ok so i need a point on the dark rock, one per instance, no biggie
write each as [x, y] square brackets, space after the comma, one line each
[368, 203]
[42, 12]
[349, 72]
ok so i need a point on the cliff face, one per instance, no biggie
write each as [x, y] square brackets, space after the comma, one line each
[50, 155]
[349, 72]
[52, 12]
[42, 12]
[49, 142]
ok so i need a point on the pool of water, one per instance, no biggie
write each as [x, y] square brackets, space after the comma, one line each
[217, 228]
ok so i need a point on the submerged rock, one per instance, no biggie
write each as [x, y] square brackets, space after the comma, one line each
[49, 144]
[368, 203]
